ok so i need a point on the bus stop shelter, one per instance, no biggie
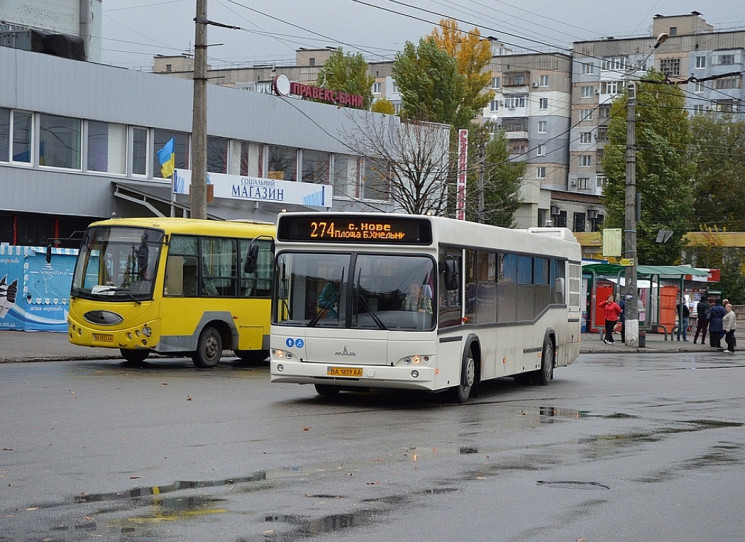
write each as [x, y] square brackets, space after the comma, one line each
[652, 273]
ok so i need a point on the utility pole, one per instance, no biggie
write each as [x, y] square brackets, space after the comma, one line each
[482, 205]
[632, 307]
[199, 120]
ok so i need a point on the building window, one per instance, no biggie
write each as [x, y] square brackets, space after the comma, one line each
[585, 114]
[588, 68]
[169, 67]
[611, 87]
[512, 102]
[59, 141]
[345, 176]
[600, 181]
[585, 137]
[22, 125]
[377, 87]
[543, 81]
[579, 222]
[726, 59]
[698, 87]
[673, 30]
[541, 150]
[315, 166]
[585, 160]
[543, 103]
[496, 82]
[139, 151]
[494, 106]
[698, 109]
[540, 172]
[107, 147]
[515, 124]
[583, 183]
[602, 133]
[604, 111]
[700, 62]
[542, 126]
[670, 66]
[394, 88]
[239, 159]
[615, 63]
[586, 91]
[725, 106]
[217, 154]
[561, 220]
[733, 81]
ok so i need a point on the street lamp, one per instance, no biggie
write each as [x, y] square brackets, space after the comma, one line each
[631, 209]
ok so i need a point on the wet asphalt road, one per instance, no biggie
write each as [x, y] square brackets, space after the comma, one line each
[618, 447]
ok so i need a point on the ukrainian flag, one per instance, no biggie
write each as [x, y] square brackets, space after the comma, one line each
[167, 159]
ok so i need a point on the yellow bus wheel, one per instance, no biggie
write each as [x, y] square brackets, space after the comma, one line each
[209, 348]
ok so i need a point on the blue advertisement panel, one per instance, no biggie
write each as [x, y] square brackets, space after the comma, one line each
[34, 294]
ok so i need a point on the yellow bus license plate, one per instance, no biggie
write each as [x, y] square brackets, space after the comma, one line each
[344, 371]
[103, 337]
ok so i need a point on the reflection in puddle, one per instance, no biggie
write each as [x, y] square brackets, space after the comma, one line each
[571, 484]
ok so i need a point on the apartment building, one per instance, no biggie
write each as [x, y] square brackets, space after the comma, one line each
[707, 65]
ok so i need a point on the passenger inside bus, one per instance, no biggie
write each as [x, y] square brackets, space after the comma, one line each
[417, 299]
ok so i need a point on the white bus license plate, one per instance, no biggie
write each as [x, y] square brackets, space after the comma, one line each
[344, 371]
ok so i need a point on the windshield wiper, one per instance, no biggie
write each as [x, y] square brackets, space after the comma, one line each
[370, 311]
[116, 290]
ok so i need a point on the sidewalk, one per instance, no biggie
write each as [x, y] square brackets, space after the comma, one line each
[21, 346]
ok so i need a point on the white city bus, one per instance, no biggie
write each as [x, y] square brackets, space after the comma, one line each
[372, 300]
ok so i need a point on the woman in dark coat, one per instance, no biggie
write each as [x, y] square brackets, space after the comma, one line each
[716, 328]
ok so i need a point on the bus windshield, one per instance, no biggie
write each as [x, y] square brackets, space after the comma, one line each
[351, 290]
[117, 263]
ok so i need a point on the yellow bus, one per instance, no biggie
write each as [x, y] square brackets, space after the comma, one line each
[174, 286]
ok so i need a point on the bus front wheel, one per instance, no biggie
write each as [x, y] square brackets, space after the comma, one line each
[134, 356]
[546, 374]
[326, 390]
[209, 348]
[462, 391]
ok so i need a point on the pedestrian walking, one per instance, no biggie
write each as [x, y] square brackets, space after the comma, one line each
[612, 313]
[702, 320]
[729, 323]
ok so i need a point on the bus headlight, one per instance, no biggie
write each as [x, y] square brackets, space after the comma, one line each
[147, 331]
[281, 354]
[280, 367]
[415, 360]
[414, 374]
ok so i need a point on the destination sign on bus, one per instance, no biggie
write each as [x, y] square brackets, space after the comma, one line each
[355, 229]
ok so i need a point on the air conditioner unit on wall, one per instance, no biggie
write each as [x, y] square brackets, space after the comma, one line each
[534, 85]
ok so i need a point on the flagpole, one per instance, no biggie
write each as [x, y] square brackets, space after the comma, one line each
[173, 194]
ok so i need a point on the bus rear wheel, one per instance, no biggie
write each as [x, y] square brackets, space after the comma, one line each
[462, 391]
[134, 356]
[209, 348]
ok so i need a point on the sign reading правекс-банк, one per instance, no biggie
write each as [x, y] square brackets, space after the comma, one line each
[258, 189]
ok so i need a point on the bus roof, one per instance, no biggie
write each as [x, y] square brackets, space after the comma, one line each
[193, 225]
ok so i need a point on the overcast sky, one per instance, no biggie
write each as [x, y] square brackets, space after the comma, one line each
[134, 31]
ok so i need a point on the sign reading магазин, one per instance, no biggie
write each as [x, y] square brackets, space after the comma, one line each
[258, 189]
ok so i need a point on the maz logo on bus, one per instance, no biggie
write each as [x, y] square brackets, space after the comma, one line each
[290, 342]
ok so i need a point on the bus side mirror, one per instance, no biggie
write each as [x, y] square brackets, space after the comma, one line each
[451, 273]
[252, 256]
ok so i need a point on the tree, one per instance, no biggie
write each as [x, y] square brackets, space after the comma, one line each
[663, 173]
[490, 167]
[473, 55]
[348, 73]
[410, 155]
[432, 89]
[382, 105]
[718, 150]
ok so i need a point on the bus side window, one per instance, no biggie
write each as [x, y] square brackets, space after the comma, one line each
[174, 280]
[191, 277]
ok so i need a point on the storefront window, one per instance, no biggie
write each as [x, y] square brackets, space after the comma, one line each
[59, 142]
[241, 156]
[22, 136]
[107, 147]
[315, 167]
[217, 154]
[282, 163]
[139, 151]
[345, 176]
[374, 180]
[180, 148]
[4, 134]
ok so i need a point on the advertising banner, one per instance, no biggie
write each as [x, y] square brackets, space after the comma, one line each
[34, 294]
